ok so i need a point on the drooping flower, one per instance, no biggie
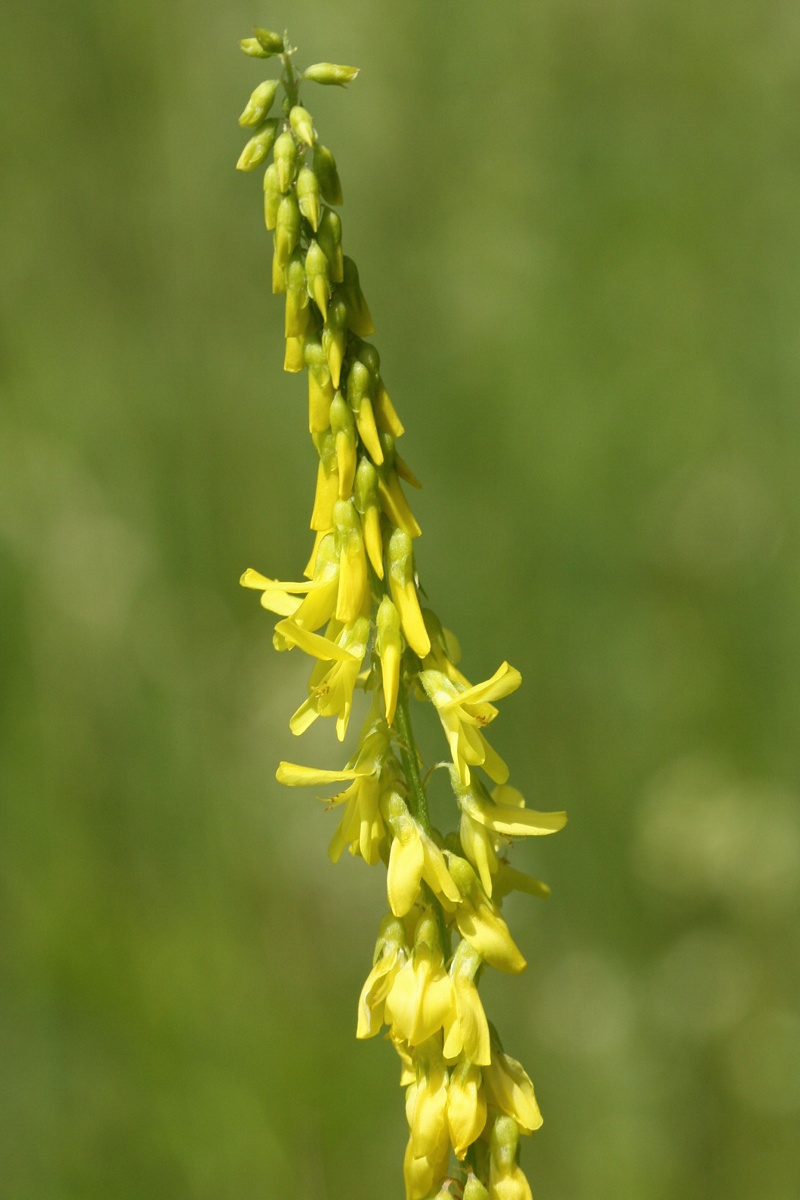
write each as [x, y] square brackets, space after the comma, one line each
[414, 857]
[391, 953]
[509, 1087]
[421, 999]
[479, 921]
[466, 1106]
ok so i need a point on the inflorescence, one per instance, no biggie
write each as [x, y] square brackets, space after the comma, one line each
[467, 1101]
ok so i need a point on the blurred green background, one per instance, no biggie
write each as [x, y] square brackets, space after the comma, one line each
[578, 228]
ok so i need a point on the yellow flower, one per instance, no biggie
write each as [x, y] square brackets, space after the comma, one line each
[390, 954]
[413, 857]
[402, 584]
[479, 920]
[422, 1175]
[505, 815]
[506, 1179]
[389, 649]
[320, 593]
[421, 999]
[464, 711]
[468, 1030]
[426, 1104]
[331, 687]
[509, 1088]
[466, 1106]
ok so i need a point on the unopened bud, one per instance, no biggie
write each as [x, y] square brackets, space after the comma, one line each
[343, 428]
[367, 503]
[353, 593]
[404, 592]
[272, 196]
[318, 276]
[325, 170]
[287, 229]
[330, 73]
[334, 337]
[300, 121]
[296, 298]
[389, 647]
[259, 103]
[308, 196]
[253, 48]
[360, 317]
[474, 1189]
[329, 236]
[293, 359]
[320, 386]
[286, 159]
[259, 146]
[271, 43]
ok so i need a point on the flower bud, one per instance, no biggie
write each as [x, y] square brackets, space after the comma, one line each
[318, 277]
[368, 504]
[325, 170]
[327, 482]
[343, 428]
[287, 229]
[254, 49]
[466, 1106]
[389, 647]
[272, 196]
[385, 414]
[302, 127]
[259, 103]
[296, 321]
[353, 593]
[404, 592]
[329, 236]
[308, 196]
[293, 359]
[360, 318]
[394, 502]
[474, 1189]
[286, 160]
[359, 387]
[330, 73]
[259, 146]
[320, 386]
[334, 337]
[270, 42]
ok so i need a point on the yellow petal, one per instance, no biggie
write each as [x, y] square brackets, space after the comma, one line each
[505, 680]
[294, 775]
[406, 860]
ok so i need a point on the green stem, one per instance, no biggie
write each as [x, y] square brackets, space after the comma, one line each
[408, 752]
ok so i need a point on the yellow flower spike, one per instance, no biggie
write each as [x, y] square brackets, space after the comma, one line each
[260, 102]
[301, 123]
[297, 315]
[414, 857]
[320, 385]
[391, 952]
[329, 236]
[466, 1106]
[327, 491]
[272, 196]
[506, 1179]
[361, 321]
[308, 196]
[353, 595]
[468, 1033]
[394, 502]
[479, 920]
[332, 694]
[258, 148]
[319, 277]
[403, 587]
[509, 1088]
[359, 385]
[421, 1001]
[325, 170]
[389, 647]
[426, 1105]
[368, 506]
[343, 428]
[285, 156]
[334, 337]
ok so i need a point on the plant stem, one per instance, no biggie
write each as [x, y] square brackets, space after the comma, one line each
[408, 752]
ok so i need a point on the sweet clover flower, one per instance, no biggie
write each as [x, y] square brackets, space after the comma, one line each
[357, 615]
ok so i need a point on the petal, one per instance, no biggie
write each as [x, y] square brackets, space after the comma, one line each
[505, 680]
[312, 643]
[293, 775]
[406, 861]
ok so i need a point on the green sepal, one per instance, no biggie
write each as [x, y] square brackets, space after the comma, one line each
[259, 146]
[271, 43]
[260, 103]
[302, 125]
[286, 159]
[325, 170]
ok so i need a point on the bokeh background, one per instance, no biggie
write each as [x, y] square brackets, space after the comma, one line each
[578, 228]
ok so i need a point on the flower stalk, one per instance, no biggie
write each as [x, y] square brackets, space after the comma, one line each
[357, 616]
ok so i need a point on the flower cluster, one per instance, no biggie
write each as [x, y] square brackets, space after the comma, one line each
[358, 617]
